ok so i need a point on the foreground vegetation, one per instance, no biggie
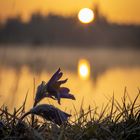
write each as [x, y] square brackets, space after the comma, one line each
[116, 121]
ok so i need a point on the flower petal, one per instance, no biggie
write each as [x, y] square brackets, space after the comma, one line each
[62, 81]
[55, 76]
[64, 90]
[68, 96]
[58, 97]
[40, 93]
[59, 76]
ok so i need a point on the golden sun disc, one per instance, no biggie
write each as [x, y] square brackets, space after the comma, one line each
[86, 15]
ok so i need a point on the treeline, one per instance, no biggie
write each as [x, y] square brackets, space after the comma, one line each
[59, 30]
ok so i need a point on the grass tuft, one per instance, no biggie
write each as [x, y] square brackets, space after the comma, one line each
[116, 121]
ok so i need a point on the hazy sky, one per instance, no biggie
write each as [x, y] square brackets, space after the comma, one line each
[121, 11]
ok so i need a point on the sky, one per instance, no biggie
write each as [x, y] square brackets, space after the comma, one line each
[118, 11]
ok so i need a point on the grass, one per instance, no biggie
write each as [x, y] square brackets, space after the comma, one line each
[116, 121]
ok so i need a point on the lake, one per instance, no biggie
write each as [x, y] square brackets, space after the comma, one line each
[111, 71]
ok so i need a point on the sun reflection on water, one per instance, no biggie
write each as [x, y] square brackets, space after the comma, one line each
[84, 69]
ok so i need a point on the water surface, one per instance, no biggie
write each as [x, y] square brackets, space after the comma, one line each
[21, 70]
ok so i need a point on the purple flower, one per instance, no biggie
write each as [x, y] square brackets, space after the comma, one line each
[50, 113]
[53, 89]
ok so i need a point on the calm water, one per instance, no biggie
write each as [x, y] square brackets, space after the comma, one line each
[111, 71]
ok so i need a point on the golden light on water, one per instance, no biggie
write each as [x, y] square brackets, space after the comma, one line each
[13, 95]
[84, 69]
[86, 15]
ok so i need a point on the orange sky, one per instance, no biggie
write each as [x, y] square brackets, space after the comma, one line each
[121, 11]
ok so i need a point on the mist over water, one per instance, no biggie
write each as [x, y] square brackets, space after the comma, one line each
[22, 69]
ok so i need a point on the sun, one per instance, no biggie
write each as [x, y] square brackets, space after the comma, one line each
[86, 15]
[84, 69]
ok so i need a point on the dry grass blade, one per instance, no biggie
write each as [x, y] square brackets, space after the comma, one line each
[133, 104]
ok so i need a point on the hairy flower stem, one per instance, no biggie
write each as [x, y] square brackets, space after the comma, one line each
[32, 117]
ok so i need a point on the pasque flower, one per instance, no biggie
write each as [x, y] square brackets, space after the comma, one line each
[53, 88]
[49, 112]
